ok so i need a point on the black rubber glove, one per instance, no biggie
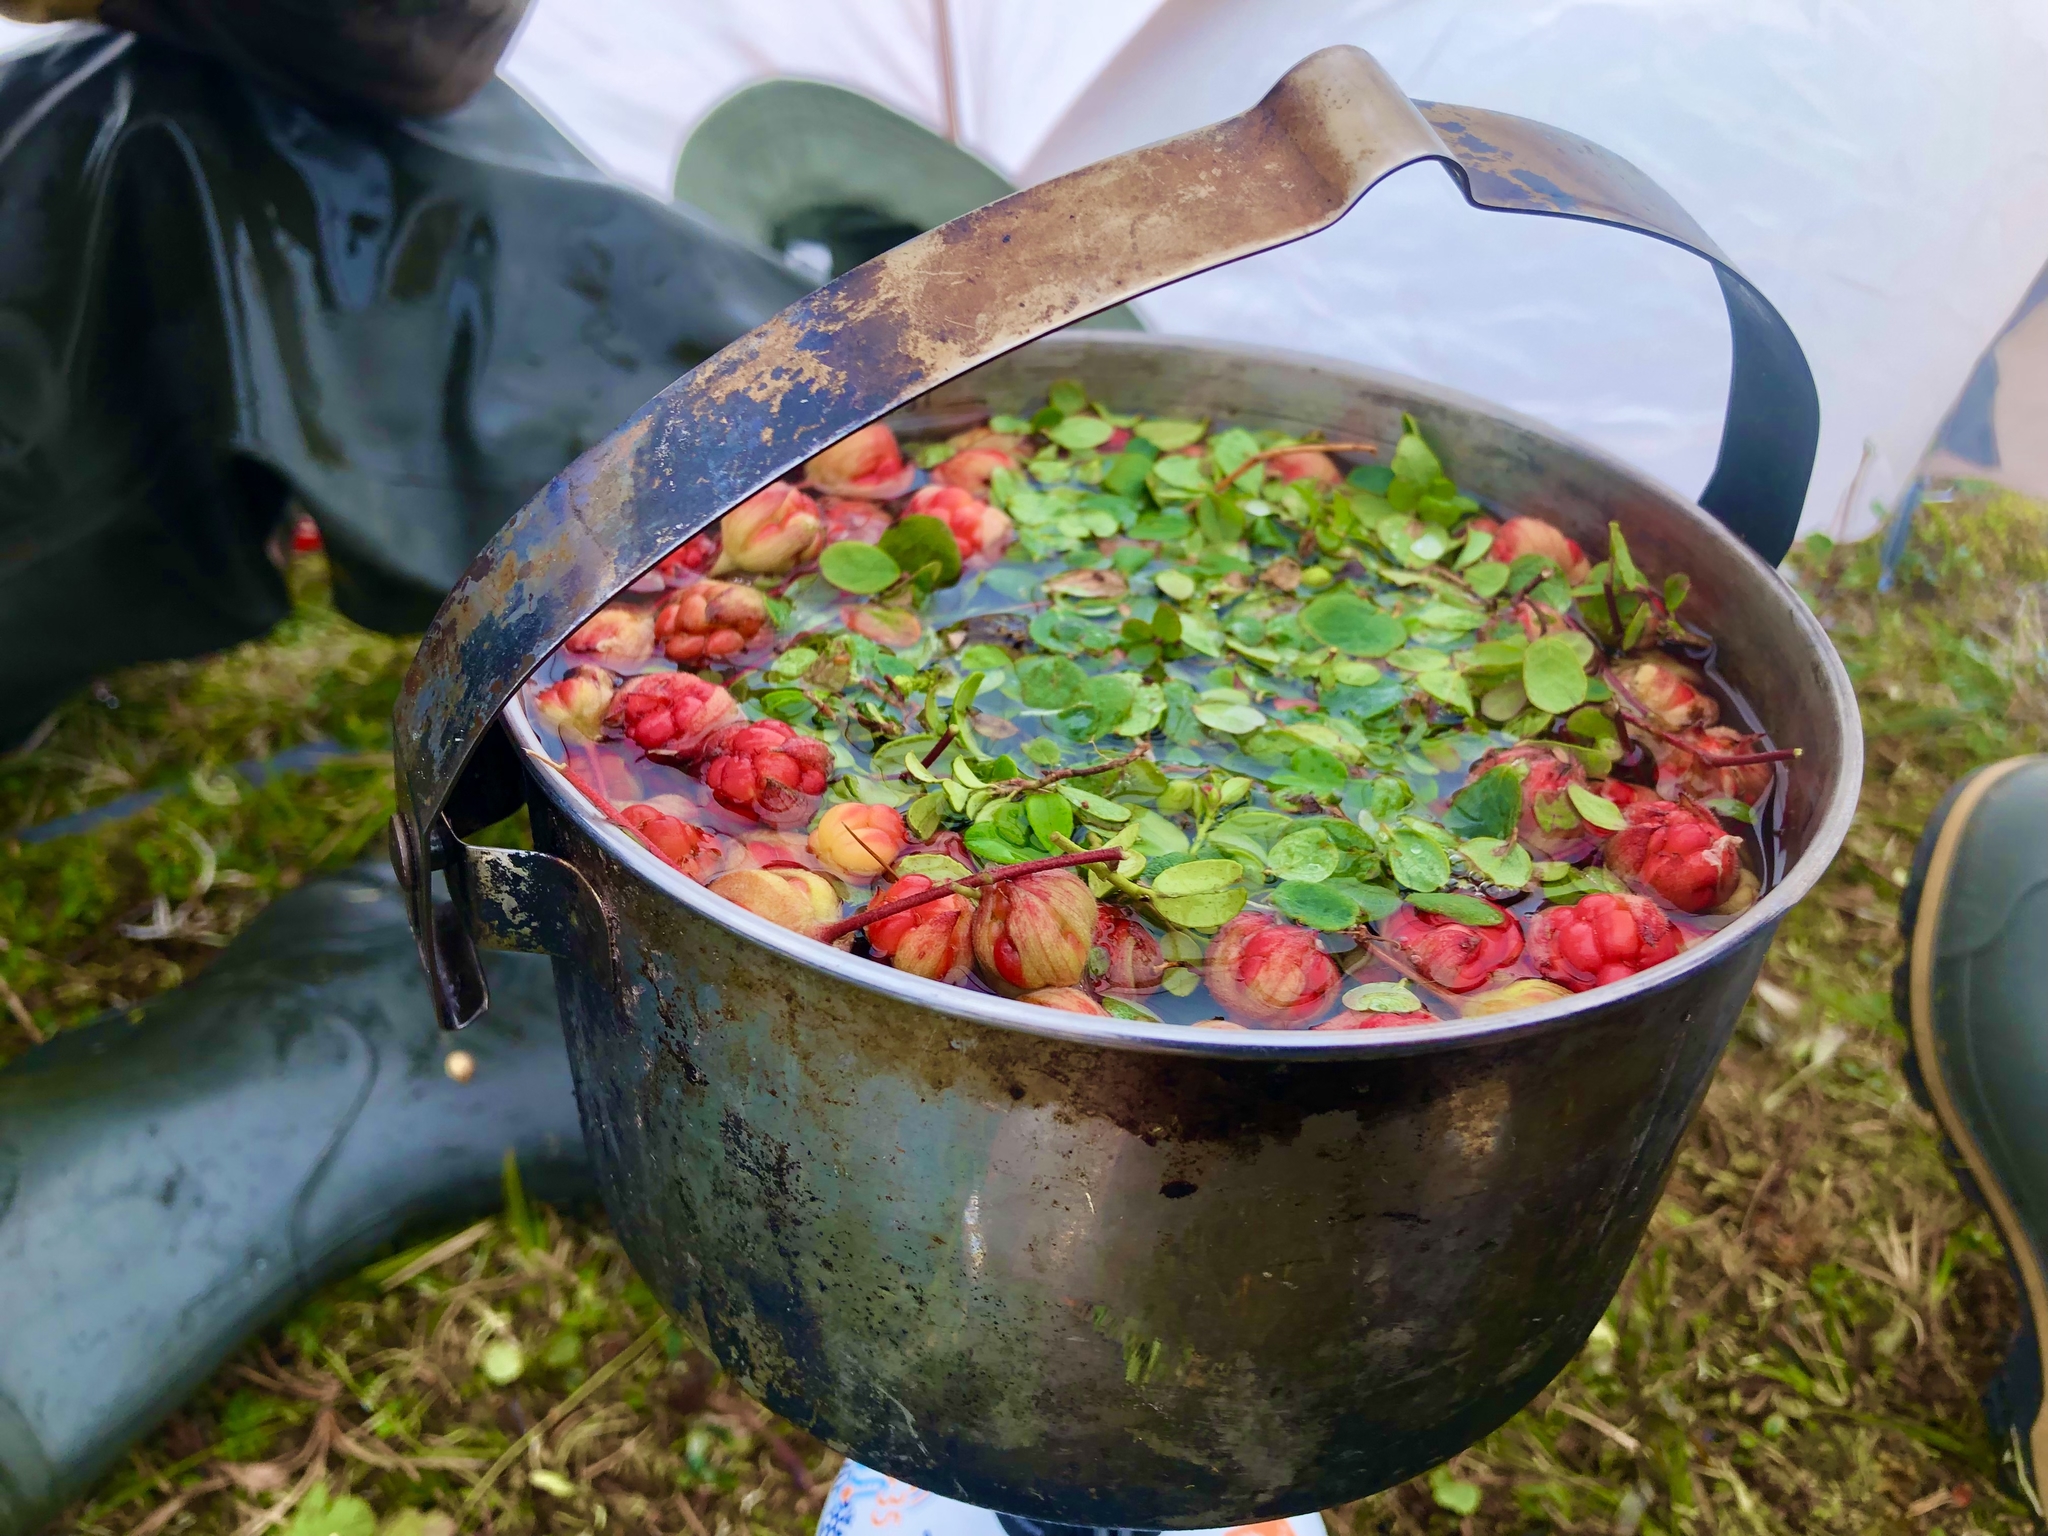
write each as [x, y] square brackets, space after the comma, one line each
[174, 1177]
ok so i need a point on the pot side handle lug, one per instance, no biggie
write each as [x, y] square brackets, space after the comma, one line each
[509, 899]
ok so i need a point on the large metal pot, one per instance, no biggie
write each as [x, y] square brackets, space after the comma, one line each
[1074, 1268]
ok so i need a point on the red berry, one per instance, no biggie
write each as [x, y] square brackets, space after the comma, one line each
[1602, 940]
[767, 771]
[1270, 973]
[1454, 956]
[930, 941]
[670, 712]
[1678, 852]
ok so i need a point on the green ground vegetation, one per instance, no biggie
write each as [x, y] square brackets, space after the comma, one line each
[1795, 1349]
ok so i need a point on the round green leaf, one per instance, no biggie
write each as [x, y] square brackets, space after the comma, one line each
[1231, 719]
[1553, 675]
[1353, 625]
[1499, 861]
[1316, 906]
[503, 1361]
[1469, 910]
[919, 541]
[1308, 855]
[1048, 682]
[1198, 876]
[1157, 835]
[861, 568]
[1382, 997]
[1417, 862]
[1211, 909]
[1596, 810]
[936, 867]
[1081, 432]
[1178, 585]
[1051, 817]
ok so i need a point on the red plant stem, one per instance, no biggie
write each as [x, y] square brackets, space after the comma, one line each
[1274, 453]
[1084, 771]
[987, 877]
[939, 751]
[1638, 713]
[1748, 759]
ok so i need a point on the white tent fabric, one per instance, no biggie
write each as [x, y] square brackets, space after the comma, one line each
[1878, 167]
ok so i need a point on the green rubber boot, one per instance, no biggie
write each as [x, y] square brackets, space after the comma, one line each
[1973, 996]
[175, 1177]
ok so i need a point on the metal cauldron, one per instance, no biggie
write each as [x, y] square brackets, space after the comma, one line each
[1080, 1269]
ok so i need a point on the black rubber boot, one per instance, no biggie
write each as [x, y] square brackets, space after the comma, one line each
[175, 1177]
[1973, 995]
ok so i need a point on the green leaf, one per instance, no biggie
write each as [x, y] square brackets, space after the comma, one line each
[1448, 687]
[1049, 682]
[1231, 719]
[1454, 1494]
[935, 867]
[1198, 877]
[1094, 807]
[1232, 449]
[1553, 675]
[345, 1516]
[1316, 906]
[1067, 396]
[1044, 751]
[1414, 461]
[1178, 585]
[1597, 810]
[1314, 769]
[1148, 708]
[985, 658]
[1167, 435]
[1418, 863]
[1308, 855]
[1498, 861]
[1626, 576]
[1156, 834]
[1477, 543]
[916, 542]
[1676, 588]
[1469, 910]
[989, 845]
[1375, 901]
[1124, 1008]
[1502, 703]
[1109, 698]
[1081, 432]
[1734, 810]
[1212, 909]
[1592, 725]
[1051, 817]
[1126, 473]
[1353, 625]
[1487, 578]
[1383, 997]
[1489, 806]
[860, 568]
[1181, 474]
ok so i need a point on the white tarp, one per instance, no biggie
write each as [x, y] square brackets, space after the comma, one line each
[1879, 168]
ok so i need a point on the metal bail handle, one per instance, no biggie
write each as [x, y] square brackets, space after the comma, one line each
[952, 299]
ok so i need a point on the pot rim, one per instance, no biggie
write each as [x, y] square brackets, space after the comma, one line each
[984, 1008]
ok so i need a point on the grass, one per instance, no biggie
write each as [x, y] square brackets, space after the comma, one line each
[1796, 1348]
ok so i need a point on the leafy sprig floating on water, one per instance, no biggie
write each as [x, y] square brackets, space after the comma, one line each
[1256, 676]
